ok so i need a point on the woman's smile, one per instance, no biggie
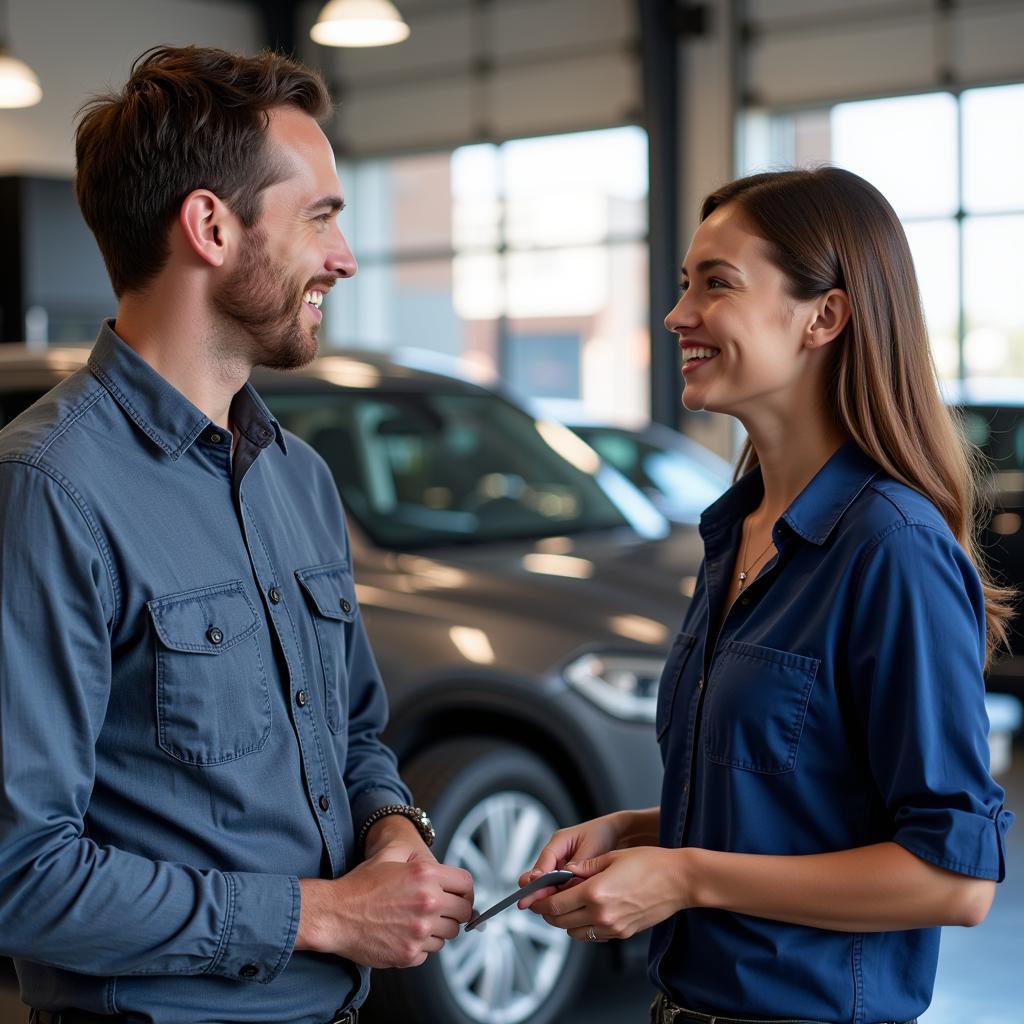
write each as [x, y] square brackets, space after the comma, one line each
[695, 356]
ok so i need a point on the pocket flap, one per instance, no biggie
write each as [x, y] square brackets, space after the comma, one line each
[331, 588]
[210, 620]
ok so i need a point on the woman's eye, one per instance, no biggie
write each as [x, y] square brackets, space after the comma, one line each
[716, 282]
[683, 285]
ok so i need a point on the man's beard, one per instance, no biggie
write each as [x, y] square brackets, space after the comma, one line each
[268, 312]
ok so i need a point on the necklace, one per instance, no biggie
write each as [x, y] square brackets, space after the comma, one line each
[745, 571]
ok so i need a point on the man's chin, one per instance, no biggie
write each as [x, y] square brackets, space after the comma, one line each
[296, 352]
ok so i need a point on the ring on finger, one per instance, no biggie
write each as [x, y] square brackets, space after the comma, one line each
[591, 934]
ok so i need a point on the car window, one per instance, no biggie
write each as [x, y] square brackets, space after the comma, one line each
[417, 470]
[999, 432]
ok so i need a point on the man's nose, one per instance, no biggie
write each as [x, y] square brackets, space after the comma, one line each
[340, 260]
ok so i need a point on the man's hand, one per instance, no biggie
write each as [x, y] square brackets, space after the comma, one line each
[393, 910]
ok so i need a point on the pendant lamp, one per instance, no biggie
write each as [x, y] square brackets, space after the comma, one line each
[359, 23]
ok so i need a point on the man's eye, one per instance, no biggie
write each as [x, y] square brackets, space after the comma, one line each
[683, 285]
[716, 282]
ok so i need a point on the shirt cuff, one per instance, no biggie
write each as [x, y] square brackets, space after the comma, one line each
[370, 800]
[959, 841]
[260, 929]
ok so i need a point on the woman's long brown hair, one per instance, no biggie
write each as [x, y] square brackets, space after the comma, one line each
[828, 228]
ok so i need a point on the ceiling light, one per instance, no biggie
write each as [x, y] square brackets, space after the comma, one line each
[19, 86]
[359, 23]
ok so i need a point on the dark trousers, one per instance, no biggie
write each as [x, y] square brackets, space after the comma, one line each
[664, 1011]
[85, 1017]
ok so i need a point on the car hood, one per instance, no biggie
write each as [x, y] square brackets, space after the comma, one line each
[608, 589]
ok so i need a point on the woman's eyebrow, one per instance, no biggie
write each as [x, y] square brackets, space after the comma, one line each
[705, 265]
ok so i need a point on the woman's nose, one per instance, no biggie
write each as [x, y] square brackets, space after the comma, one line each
[682, 314]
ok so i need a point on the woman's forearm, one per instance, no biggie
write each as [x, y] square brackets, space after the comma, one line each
[637, 828]
[874, 888]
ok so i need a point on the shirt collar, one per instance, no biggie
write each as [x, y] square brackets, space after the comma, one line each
[815, 511]
[162, 412]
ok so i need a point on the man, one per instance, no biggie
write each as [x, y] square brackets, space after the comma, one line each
[198, 822]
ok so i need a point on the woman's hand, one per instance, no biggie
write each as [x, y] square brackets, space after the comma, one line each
[579, 843]
[620, 893]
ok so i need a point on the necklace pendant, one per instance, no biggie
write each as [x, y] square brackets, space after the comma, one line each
[743, 576]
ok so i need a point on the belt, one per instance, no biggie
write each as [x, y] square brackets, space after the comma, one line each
[85, 1017]
[664, 1011]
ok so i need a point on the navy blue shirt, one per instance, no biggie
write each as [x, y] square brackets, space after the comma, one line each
[189, 708]
[841, 705]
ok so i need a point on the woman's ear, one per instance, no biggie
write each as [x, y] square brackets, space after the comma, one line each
[832, 315]
[207, 226]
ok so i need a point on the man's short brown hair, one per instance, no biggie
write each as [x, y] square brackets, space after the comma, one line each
[188, 117]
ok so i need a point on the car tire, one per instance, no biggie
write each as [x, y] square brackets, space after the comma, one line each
[517, 970]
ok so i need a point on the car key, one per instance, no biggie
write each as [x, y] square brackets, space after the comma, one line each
[551, 878]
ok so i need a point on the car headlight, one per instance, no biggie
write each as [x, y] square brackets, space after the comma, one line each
[624, 685]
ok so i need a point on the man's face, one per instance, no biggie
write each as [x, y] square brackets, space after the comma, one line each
[294, 253]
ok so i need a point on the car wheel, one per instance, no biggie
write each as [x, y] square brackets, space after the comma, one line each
[494, 806]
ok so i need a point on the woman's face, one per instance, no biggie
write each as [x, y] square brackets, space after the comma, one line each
[743, 337]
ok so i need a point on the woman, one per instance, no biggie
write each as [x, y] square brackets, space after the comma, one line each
[827, 803]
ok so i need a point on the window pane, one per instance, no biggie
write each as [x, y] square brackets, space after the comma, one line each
[579, 188]
[993, 284]
[587, 305]
[399, 205]
[993, 125]
[476, 210]
[905, 146]
[405, 304]
[934, 245]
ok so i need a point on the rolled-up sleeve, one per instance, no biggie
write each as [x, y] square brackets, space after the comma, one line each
[66, 900]
[917, 648]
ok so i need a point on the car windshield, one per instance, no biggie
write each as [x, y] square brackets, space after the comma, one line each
[679, 483]
[424, 469]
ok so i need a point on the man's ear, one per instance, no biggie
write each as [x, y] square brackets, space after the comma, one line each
[208, 226]
[832, 315]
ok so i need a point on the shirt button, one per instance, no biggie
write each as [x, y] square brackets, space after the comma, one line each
[248, 970]
[214, 635]
[700, 683]
[686, 788]
[325, 804]
[216, 438]
[275, 595]
[300, 699]
[345, 606]
[744, 600]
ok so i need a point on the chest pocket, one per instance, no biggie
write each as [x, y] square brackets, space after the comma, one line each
[331, 594]
[212, 699]
[675, 665]
[756, 705]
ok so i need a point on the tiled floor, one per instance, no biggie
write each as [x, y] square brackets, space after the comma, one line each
[981, 970]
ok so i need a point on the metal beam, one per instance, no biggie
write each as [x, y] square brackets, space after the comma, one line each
[278, 18]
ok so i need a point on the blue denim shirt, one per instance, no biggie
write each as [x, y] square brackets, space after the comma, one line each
[189, 708]
[842, 704]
